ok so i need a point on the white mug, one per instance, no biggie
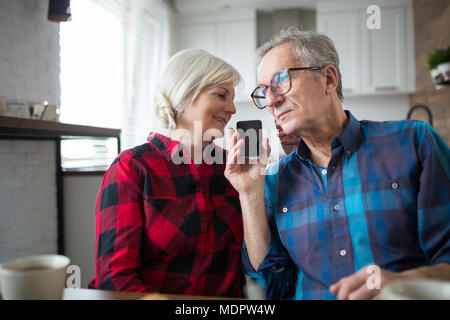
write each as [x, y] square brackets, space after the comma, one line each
[40, 277]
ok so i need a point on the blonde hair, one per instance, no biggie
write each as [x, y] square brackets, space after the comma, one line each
[186, 74]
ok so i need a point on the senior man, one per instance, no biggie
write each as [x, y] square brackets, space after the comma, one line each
[358, 204]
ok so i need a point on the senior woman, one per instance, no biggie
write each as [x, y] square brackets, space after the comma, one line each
[166, 220]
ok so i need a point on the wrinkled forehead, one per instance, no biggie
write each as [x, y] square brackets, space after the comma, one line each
[279, 57]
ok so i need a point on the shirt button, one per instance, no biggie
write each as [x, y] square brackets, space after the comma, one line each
[336, 207]
[349, 152]
[343, 252]
[285, 210]
[197, 252]
[394, 185]
[197, 189]
[324, 171]
[275, 267]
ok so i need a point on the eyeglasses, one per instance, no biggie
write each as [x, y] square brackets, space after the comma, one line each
[280, 85]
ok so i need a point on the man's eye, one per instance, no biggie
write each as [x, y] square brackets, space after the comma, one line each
[221, 96]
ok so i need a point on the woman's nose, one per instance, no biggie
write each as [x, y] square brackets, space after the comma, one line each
[231, 108]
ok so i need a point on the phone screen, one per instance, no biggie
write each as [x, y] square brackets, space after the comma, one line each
[251, 132]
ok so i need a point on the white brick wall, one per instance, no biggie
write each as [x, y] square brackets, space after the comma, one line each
[29, 68]
[28, 205]
[29, 52]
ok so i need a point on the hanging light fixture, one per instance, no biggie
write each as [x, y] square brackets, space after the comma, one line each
[59, 10]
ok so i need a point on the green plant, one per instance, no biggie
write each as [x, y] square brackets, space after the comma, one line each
[437, 57]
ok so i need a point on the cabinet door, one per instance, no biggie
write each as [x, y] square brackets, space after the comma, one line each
[237, 43]
[385, 70]
[198, 36]
[344, 29]
[231, 37]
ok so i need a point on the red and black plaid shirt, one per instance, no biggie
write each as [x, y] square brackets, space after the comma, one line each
[166, 227]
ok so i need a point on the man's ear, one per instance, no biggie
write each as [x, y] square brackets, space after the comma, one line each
[332, 78]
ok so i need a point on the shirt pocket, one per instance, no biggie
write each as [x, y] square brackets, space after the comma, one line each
[391, 213]
[293, 222]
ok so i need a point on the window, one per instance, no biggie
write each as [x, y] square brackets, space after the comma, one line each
[110, 55]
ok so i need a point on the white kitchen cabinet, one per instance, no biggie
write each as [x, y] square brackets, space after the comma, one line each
[198, 36]
[391, 55]
[347, 38]
[231, 36]
[372, 61]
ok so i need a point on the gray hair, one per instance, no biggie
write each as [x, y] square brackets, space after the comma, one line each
[186, 74]
[309, 47]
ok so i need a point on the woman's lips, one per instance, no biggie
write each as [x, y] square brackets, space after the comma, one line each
[221, 120]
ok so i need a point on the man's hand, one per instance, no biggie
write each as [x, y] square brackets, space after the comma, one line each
[288, 142]
[244, 174]
[365, 284]
[248, 179]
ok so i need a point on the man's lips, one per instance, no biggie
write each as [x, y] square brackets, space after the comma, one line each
[282, 114]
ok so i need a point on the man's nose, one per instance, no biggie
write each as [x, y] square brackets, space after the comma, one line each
[272, 99]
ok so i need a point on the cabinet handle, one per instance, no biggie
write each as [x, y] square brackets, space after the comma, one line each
[386, 88]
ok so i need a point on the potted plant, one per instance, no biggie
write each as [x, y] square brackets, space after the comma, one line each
[439, 66]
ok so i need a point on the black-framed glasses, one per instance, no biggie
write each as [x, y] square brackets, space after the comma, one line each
[280, 85]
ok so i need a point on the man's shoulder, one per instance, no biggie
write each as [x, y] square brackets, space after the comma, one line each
[386, 128]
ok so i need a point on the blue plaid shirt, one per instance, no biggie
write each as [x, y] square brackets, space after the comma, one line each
[384, 199]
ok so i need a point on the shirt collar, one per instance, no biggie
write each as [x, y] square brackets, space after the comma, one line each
[348, 138]
[350, 135]
[164, 144]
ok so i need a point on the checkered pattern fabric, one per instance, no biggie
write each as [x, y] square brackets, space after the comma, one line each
[384, 198]
[167, 227]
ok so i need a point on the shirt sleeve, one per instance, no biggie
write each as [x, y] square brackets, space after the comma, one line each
[434, 195]
[277, 273]
[119, 229]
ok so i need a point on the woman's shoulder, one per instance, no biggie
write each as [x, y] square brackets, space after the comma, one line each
[136, 152]
[139, 157]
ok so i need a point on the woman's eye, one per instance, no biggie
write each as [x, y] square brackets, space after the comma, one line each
[221, 96]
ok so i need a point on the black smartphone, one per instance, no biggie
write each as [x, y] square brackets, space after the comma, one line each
[251, 132]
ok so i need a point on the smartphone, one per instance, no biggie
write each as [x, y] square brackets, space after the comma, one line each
[251, 132]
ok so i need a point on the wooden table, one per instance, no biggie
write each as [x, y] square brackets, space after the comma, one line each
[91, 294]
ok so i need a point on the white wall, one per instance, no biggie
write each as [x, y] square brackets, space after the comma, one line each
[29, 67]
[378, 108]
[80, 193]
